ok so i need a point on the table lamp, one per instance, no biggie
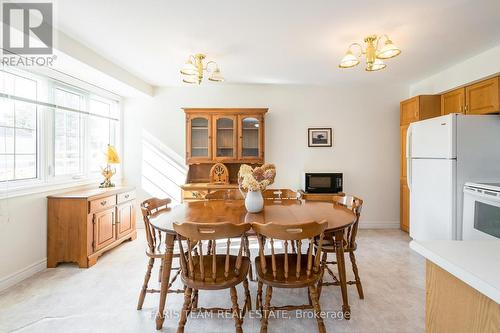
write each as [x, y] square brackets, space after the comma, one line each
[108, 171]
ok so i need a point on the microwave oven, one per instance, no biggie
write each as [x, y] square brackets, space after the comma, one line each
[324, 182]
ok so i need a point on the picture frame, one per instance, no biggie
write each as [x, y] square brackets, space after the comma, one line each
[319, 137]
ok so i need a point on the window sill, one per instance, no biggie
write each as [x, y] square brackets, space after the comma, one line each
[11, 191]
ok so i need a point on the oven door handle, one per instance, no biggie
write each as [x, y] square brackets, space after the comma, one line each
[477, 194]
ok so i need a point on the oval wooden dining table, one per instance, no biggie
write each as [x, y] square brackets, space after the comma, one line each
[283, 211]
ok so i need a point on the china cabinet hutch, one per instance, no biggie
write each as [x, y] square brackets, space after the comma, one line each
[232, 136]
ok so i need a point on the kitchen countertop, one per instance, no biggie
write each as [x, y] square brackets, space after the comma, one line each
[477, 263]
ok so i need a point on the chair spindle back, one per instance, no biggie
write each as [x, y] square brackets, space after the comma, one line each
[355, 204]
[289, 233]
[149, 208]
[193, 265]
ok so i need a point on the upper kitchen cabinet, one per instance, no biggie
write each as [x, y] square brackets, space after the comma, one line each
[419, 108]
[251, 138]
[453, 102]
[483, 97]
[225, 135]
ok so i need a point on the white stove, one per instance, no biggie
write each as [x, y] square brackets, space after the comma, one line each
[481, 215]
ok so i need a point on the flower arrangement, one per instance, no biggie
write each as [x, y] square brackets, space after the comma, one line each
[258, 178]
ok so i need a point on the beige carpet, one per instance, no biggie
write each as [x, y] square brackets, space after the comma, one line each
[104, 297]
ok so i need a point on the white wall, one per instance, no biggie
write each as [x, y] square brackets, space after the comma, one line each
[365, 122]
[482, 65]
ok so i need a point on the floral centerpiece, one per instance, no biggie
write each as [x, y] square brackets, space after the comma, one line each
[255, 180]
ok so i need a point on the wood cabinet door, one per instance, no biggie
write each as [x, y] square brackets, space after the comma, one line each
[224, 137]
[403, 130]
[251, 138]
[198, 138]
[125, 219]
[409, 110]
[404, 193]
[453, 101]
[483, 97]
[104, 228]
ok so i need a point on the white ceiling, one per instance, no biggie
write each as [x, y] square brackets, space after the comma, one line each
[279, 41]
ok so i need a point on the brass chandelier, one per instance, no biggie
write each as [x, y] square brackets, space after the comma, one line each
[194, 68]
[374, 54]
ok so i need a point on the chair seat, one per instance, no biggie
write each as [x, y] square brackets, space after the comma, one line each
[160, 249]
[220, 282]
[280, 281]
[329, 247]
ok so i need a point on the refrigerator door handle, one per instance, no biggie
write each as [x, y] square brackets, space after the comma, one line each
[408, 157]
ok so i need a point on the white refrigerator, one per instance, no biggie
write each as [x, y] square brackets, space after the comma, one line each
[442, 154]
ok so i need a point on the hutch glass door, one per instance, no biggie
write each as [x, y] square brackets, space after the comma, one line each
[250, 137]
[200, 138]
[225, 138]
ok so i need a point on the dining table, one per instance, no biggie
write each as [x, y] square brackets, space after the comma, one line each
[283, 211]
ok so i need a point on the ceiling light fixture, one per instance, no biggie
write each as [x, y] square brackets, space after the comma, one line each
[373, 54]
[192, 71]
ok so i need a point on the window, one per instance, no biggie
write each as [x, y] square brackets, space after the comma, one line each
[18, 129]
[102, 130]
[52, 132]
[67, 134]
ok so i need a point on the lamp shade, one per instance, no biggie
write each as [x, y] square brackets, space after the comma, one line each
[389, 50]
[375, 66]
[189, 68]
[349, 60]
[112, 155]
[216, 76]
[189, 79]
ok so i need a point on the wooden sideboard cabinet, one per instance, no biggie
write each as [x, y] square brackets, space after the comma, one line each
[82, 225]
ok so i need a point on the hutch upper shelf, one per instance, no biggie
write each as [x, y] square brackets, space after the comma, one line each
[234, 135]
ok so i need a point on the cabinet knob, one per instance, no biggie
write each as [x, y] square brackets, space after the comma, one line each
[126, 196]
[103, 203]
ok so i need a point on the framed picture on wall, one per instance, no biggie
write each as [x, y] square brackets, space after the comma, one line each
[319, 137]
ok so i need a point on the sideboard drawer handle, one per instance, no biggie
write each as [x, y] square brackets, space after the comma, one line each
[103, 203]
[126, 196]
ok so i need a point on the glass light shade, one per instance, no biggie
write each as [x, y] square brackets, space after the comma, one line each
[189, 79]
[389, 50]
[216, 76]
[189, 68]
[349, 60]
[376, 66]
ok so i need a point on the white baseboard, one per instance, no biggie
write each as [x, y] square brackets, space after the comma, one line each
[379, 225]
[22, 274]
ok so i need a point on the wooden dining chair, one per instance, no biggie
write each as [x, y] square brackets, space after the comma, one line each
[212, 271]
[350, 246]
[289, 269]
[280, 194]
[230, 194]
[156, 246]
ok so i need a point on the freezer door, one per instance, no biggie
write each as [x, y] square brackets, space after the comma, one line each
[434, 138]
[432, 199]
